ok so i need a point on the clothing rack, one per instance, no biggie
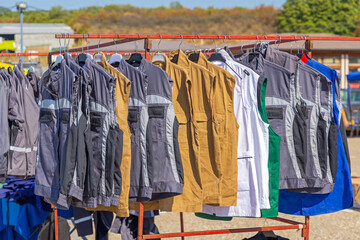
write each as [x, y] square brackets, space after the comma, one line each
[147, 45]
[304, 226]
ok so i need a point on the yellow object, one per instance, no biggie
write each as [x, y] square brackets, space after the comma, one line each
[6, 66]
[8, 45]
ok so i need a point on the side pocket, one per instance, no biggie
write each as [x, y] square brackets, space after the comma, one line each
[333, 132]
[178, 160]
[243, 179]
[321, 136]
[300, 137]
[157, 123]
[97, 135]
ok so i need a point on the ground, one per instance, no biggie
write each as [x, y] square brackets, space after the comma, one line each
[344, 225]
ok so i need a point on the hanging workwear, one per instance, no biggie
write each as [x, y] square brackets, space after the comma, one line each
[54, 124]
[225, 131]
[202, 83]
[79, 139]
[342, 195]
[278, 104]
[274, 159]
[117, 164]
[191, 199]
[137, 120]
[22, 151]
[312, 106]
[252, 152]
[161, 138]
[4, 124]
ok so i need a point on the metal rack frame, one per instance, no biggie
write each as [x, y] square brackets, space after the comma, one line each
[304, 226]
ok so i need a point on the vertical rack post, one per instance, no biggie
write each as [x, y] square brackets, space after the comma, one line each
[306, 229]
[309, 46]
[182, 224]
[147, 46]
[56, 222]
[141, 221]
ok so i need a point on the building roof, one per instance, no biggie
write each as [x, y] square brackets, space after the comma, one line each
[35, 28]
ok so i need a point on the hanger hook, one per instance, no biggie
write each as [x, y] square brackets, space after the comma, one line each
[194, 44]
[60, 46]
[303, 45]
[99, 42]
[279, 42]
[115, 46]
[297, 44]
[225, 37]
[159, 42]
[257, 41]
[182, 39]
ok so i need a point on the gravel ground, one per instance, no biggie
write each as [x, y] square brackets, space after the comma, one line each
[344, 225]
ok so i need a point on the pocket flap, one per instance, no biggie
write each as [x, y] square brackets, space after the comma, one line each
[274, 113]
[182, 119]
[219, 118]
[133, 115]
[201, 117]
[156, 111]
[95, 119]
[45, 116]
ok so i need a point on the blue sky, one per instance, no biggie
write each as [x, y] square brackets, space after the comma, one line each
[76, 4]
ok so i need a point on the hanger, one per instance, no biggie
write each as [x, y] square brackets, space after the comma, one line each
[217, 56]
[115, 58]
[82, 57]
[58, 59]
[277, 47]
[196, 54]
[135, 58]
[159, 56]
[175, 58]
[98, 56]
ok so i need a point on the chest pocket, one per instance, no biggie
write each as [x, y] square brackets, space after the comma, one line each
[157, 123]
[134, 124]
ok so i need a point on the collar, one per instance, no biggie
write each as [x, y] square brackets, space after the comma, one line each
[182, 58]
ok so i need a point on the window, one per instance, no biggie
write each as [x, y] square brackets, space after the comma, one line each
[354, 59]
[332, 60]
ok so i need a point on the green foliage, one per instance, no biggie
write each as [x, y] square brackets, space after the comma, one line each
[3, 10]
[175, 5]
[320, 16]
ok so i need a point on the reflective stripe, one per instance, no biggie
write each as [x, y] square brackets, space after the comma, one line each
[170, 118]
[83, 219]
[150, 99]
[19, 149]
[144, 118]
[94, 106]
[55, 104]
[35, 148]
[133, 102]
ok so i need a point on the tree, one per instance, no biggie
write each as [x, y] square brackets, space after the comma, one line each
[4, 10]
[175, 5]
[319, 16]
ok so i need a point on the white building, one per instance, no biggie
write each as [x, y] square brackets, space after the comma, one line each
[35, 34]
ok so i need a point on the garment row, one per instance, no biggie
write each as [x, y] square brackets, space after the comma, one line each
[19, 113]
[191, 134]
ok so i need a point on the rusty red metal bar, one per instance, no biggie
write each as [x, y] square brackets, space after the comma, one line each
[221, 231]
